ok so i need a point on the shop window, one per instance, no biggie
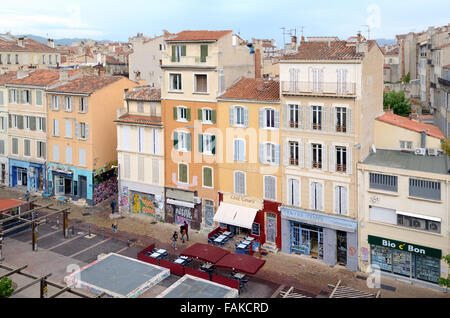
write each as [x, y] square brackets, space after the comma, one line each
[256, 228]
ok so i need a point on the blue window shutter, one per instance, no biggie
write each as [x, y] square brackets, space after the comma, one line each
[261, 153]
[245, 116]
[231, 116]
[188, 142]
[236, 149]
[277, 155]
[242, 150]
[175, 140]
[277, 118]
[261, 118]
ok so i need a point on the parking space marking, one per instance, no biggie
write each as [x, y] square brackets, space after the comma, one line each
[49, 234]
[123, 249]
[278, 291]
[58, 245]
[101, 242]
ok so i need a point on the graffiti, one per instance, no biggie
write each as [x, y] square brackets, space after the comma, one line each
[374, 199]
[352, 250]
[183, 212]
[104, 190]
[123, 201]
[108, 166]
[144, 204]
[364, 254]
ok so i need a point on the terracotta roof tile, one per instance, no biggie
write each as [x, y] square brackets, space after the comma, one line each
[246, 89]
[10, 203]
[140, 119]
[337, 50]
[201, 35]
[86, 84]
[4, 78]
[40, 77]
[112, 60]
[29, 45]
[409, 124]
[144, 93]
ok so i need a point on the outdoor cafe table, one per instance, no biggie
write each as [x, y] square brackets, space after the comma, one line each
[161, 251]
[242, 246]
[239, 276]
[249, 238]
[226, 233]
[180, 261]
[220, 239]
[156, 255]
[246, 242]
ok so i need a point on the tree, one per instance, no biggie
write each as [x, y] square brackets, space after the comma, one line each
[6, 288]
[407, 78]
[446, 146]
[445, 282]
[398, 103]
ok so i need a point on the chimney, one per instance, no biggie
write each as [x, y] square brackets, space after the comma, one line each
[51, 43]
[22, 74]
[63, 76]
[358, 37]
[303, 39]
[260, 84]
[257, 63]
[294, 40]
[21, 42]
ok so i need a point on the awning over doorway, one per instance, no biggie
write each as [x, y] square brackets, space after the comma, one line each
[236, 215]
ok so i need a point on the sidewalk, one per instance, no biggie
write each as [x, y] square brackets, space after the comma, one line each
[301, 272]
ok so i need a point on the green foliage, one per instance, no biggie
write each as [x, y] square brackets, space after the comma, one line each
[407, 78]
[445, 282]
[446, 146]
[398, 102]
[6, 289]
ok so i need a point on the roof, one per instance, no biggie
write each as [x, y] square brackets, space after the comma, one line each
[393, 52]
[409, 161]
[4, 78]
[246, 88]
[241, 263]
[112, 60]
[10, 203]
[205, 252]
[409, 124]
[144, 93]
[201, 35]
[140, 120]
[86, 84]
[335, 50]
[40, 77]
[10, 43]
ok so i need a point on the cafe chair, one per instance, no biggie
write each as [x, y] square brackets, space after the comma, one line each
[154, 250]
[210, 240]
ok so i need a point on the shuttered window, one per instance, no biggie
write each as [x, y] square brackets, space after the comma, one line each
[340, 200]
[39, 98]
[141, 169]
[316, 196]
[2, 99]
[207, 177]
[203, 53]
[15, 146]
[270, 190]
[141, 140]
[293, 192]
[201, 83]
[127, 168]
[26, 148]
[239, 182]
[155, 171]
[69, 155]
[68, 129]
[55, 153]
[56, 127]
[41, 149]
[183, 173]
[425, 189]
[126, 135]
[383, 182]
[82, 157]
[2, 147]
[239, 149]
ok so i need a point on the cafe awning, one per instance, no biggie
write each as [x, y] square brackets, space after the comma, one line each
[241, 263]
[236, 215]
[205, 252]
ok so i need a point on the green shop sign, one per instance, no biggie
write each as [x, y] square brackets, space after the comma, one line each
[404, 246]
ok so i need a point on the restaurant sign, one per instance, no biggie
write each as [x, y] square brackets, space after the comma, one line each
[404, 246]
[243, 200]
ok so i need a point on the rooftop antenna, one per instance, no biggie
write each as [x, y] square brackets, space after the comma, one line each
[368, 31]
[301, 28]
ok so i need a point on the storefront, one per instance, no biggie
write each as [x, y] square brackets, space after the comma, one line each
[183, 206]
[331, 239]
[405, 259]
[29, 175]
[141, 199]
[4, 170]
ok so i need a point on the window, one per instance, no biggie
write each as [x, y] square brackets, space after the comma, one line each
[69, 155]
[68, 130]
[82, 157]
[293, 153]
[56, 127]
[341, 159]
[127, 168]
[341, 119]
[55, 153]
[68, 107]
[207, 144]
[2, 101]
[293, 192]
[50, 59]
[183, 173]
[141, 168]
[293, 116]
[40, 149]
[203, 52]
[182, 141]
[201, 83]
[317, 156]
[3, 124]
[270, 188]
[425, 189]
[239, 182]
[26, 96]
[317, 117]
[383, 182]
[39, 98]
[206, 115]
[419, 223]
[269, 153]
[126, 138]
[316, 196]
[340, 197]
[239, 115]
[27, 122]
[207, 177]
[83, 134]
[140, 141]
[177, 52]
[175, 82]
[155, 141]
[239, 149]
[83, 105]
[13, 96]
[26, 147]
[140, 107]
[43, 59]
[8, 60]
[406, 145]
[182, 113]
[2, 147]
[15, 146]
[155, 171]
[270, 118]
[55, 102]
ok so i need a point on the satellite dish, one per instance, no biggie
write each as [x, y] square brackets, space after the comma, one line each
[374, 149]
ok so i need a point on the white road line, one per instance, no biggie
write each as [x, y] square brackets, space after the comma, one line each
[58, 245]
[123, 249]
[77, 253]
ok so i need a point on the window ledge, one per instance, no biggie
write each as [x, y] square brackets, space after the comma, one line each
[175, 92]
[201, 93]
[424, 199]
[394, 194]
[182, 120]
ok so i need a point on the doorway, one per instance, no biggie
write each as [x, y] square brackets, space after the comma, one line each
[83, 187]
[271, 232]
[3, 173]
[341, 245]
[67, 186]
[41, 179]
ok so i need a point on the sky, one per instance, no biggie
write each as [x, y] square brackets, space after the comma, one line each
[117, 20]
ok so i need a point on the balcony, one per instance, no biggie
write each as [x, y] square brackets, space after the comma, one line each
[329, 89]
[293, 162]
[317, 164]
[341, 168]
[340, 128]
[187, 61]
[444, 82]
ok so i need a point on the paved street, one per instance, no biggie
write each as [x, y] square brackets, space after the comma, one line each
[309, 277]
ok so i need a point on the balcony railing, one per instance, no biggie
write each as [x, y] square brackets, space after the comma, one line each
[341, 128]
[341, 168]
[321, 88]
[317, 164]
[293, 124]
[293, 162]
[443, 81]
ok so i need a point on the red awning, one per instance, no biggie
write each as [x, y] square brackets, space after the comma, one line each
[205, 252]
[241, 263]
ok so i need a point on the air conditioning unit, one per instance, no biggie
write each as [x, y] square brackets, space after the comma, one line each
[197, 200]
[420, 151]
[432, 151]
[434, 226]
[419, 224]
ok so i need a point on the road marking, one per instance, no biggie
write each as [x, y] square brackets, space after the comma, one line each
[275, 294]
[58, 245]
[123, 249]
[72, 256]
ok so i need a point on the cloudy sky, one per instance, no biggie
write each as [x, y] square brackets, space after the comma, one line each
[116, 20]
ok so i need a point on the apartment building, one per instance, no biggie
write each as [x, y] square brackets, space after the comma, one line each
[4, 166]
[391, 65]
[25, 53]
[82, 137]
[404, 202]
[249, 171]
[146, 59]
[331, 92]
[140, 152]
[197, 66]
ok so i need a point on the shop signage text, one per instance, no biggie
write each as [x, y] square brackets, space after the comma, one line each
[241, 200]
[404, 246]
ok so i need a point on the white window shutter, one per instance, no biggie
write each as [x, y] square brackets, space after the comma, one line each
[301, 155]
[277, 155]
[308, 118]
[324, 118]
[156, 132]
[69, 155]
[246, 117]
[290, 192]
[232, 116]
[277, 118]
[308, 155]
[336, 199]
[77, 130]
[324, 157]
[261, 153]
[332, 159]
[86, 130]
[319, 197]
[301, 117]
[344, 201]
[286, 153]
[349, 166]
[312, 195]
[141, 140]
[285, 116]
[349, 120]
[332, 121]
[155, 171]
[55, 153]
[296, 190]
[261, 118]
[236, 149]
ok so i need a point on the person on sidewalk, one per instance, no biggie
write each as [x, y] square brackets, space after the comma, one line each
[113, 206]
[182, 231]
[174, 240]
[186, 227]
[27, 196]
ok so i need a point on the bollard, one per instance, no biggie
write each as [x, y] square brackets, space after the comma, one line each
[57, 221]
[89, 230]
[128, 242]
[73, 229]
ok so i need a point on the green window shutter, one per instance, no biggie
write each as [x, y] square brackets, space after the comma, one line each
[33, 123]
[213, 116]
[10, 121]
[183, 173]
[174, 57]
[183, 50]
[203, 53]
[200, 143]
[200, 113]
[175, 140]
[188, 137]
[20, 92]
[207, 177]
[10, 92]
[44, 128]
[188, 114]
[20, 122]
[175, 113]
[213, 141]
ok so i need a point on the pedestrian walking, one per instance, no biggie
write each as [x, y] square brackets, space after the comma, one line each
[27, 196]
[186, 227]
[113, 206]
[174, 240]
[182, 232]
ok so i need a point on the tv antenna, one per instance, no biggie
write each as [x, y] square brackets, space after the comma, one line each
[368, 31]
[291, 32]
